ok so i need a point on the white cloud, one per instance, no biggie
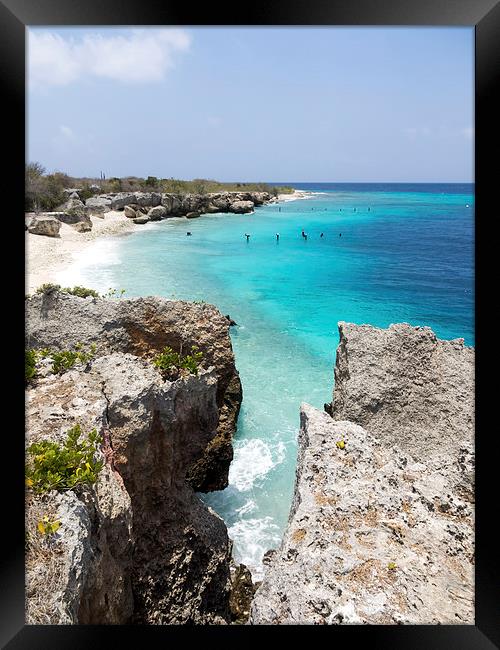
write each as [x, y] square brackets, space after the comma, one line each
[66, 132]
[468, 132]
[142, 56]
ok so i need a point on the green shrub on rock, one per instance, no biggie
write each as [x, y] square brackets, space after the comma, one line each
[81, 292]
[48, 288]
[170, 362]
[52, 466]
[63, 360]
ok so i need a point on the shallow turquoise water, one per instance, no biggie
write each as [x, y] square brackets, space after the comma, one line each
[405, 254]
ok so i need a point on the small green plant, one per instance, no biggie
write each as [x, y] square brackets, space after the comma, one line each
[52, 466]
[47, 527]
[113, 293]
[48, 288]
[30, 359]
[192, 361]
[168, 360]
[81, 292]
[63, 360]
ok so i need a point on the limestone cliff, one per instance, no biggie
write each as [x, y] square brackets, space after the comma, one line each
[143, 326]
[138, 545]
[381, 527]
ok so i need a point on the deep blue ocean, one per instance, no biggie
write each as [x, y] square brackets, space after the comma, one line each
[389, 253]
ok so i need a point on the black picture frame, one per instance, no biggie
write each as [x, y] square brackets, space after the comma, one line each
[15, 16]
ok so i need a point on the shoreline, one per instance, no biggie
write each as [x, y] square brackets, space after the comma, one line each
[48, 258]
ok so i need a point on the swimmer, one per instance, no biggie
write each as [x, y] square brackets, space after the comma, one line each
[247, 236]
[189, 233]
[277, 236]
[340, 234]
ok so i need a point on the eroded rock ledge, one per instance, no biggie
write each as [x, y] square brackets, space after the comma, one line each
[381, 527]
[138, 546]
[143, 326]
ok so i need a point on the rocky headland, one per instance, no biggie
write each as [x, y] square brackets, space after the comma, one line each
[381, 529]
[142, 207]
[137, 545]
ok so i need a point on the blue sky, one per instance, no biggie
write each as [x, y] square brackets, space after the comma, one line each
[254, 104]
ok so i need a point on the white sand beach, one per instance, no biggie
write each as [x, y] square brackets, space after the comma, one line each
[49, 257]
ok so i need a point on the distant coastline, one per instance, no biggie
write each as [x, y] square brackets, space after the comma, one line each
[49, 258]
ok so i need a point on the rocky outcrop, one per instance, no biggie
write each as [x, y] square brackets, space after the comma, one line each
[381, 527]
[178, 205]
[141, 219]
[242, 592]
[76, 214]
[45, 224]
[408, 387]
[144, 326]
[138, 545]
[97, 205]
[156, 213]
[241, 207]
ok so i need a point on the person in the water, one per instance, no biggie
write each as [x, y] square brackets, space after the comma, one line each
[247, 236]
[277, 236]
[303, 233]
[305, 236]
[321, 235]
[340, 234]
[189, 234]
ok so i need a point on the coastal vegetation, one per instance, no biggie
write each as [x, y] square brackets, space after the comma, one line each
[62, 360]
[170, 362]
[46, 192]
[52, 466]
[81, 292]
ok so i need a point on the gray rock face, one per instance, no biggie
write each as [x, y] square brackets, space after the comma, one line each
[86, 569]
[373, 536]
[143, 327]
[143, 199]
[76, 214]
[143, 218]
[241, 207]
[408, 387]
[44, 224]
[121, 199]
[130, 212]
[138, 546]
[157, 213]
[177, 205]
[97, 205]
[381, 525]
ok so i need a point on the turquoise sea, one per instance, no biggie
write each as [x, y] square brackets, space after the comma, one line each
[406, 253]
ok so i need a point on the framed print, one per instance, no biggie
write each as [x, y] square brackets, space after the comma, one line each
[256, 248]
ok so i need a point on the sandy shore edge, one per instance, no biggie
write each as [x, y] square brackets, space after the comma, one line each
[48, 258]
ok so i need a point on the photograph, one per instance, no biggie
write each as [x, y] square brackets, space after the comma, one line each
[250, 326]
